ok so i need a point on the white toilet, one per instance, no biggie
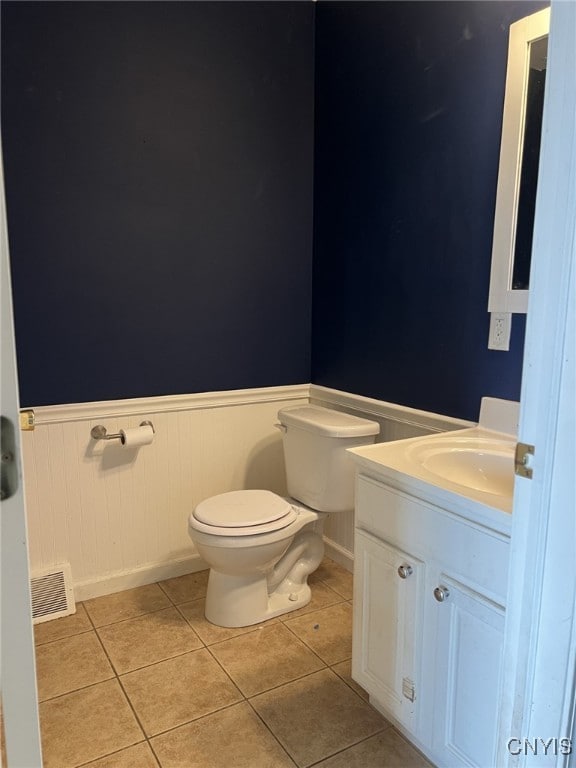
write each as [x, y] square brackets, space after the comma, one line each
[261, 547]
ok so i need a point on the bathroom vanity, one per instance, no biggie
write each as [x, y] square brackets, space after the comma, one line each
[430, 581]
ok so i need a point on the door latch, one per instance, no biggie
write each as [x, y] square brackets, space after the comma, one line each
[8, 468]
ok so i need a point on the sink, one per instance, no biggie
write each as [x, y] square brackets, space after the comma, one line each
[476, 463]
[479, 463]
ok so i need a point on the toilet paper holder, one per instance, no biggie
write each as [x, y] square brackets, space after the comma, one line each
[99, 432]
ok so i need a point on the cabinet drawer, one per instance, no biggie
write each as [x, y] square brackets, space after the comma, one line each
[478, 556]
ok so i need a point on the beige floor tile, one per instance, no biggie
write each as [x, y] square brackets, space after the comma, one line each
[143, 641]
[87, 724]
[344, 670]
[65, 627]
[335, 576]
[138, 756]
[209, 633]
[126, 605]
[317, 716]
[322, 597]
[386, 750]
[176, 691]
[265, 659]
[231, 738]
[328, 632]
[184, 588]
[69, 664]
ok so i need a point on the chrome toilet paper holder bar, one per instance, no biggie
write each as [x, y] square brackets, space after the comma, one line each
[99, 432]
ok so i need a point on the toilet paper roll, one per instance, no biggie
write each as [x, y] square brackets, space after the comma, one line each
[131, 438]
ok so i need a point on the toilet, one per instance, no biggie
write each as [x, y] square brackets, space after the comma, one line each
[261, 547]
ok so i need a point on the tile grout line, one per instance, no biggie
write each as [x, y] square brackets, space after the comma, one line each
[255, 628]
[134, 618]
[111, 754]
[93, 685]
[350, 746]
[324, 757]
[330, 666]
[129, 702]
[155, 663]
[196, 719]
[172, 600]
[282, 620]
[312, 649]
[64, 637]
[271, 732]
[204, 647]
[122, 687]
[154, 753]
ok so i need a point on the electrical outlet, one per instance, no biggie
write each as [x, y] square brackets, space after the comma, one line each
[500, 327]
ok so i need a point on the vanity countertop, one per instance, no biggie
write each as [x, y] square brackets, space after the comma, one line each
[468, 471]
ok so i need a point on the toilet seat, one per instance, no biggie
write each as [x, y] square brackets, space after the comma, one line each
[243, 513]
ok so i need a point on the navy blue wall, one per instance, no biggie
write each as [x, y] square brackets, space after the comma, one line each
[158, 163]
[409, 100]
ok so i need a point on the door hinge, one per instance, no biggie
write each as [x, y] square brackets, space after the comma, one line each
[408, 689]
[523, 459]
[27, 420]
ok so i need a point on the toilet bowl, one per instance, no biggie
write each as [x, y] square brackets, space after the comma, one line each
[261, 547]
[258, 565]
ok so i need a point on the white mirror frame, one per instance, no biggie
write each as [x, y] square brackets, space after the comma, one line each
[502, 298]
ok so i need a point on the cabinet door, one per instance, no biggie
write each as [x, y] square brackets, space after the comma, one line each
[468, 651]
[387, 625]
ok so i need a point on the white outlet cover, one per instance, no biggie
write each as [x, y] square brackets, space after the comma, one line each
[500, 329]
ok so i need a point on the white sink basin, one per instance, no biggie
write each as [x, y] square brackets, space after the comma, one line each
[476, 463]
[482, 464]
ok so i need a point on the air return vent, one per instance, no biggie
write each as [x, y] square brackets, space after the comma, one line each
[52, 594]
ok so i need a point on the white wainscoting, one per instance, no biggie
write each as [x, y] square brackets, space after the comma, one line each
[397, 422]
[119, 515]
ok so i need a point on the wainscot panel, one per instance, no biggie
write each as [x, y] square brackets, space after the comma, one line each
[119, 515]
[397, 422]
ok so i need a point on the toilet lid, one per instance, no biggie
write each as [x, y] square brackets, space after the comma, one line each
[243, 513]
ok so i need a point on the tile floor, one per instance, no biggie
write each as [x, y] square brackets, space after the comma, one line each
[140, 679]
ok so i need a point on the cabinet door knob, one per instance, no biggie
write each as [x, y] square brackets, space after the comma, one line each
[404, 570]
[441, 593]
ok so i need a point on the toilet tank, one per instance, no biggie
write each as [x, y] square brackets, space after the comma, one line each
[319, 472]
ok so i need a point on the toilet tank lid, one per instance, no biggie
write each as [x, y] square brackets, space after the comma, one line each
[325, 421]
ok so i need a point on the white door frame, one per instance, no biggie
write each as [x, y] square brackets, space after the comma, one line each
[17, 660]
[539, 662]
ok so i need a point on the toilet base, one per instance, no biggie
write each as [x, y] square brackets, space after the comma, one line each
[241, 601]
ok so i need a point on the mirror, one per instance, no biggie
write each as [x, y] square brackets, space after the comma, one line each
[518, 170]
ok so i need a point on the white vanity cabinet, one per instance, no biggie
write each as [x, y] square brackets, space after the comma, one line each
[388, 587]
[466, 672]
[429, 591]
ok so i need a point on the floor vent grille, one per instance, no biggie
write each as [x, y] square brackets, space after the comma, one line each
[52, 594]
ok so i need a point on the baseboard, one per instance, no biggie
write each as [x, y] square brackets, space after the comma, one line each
[339, 554]
[153, 572]
[148, 574]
